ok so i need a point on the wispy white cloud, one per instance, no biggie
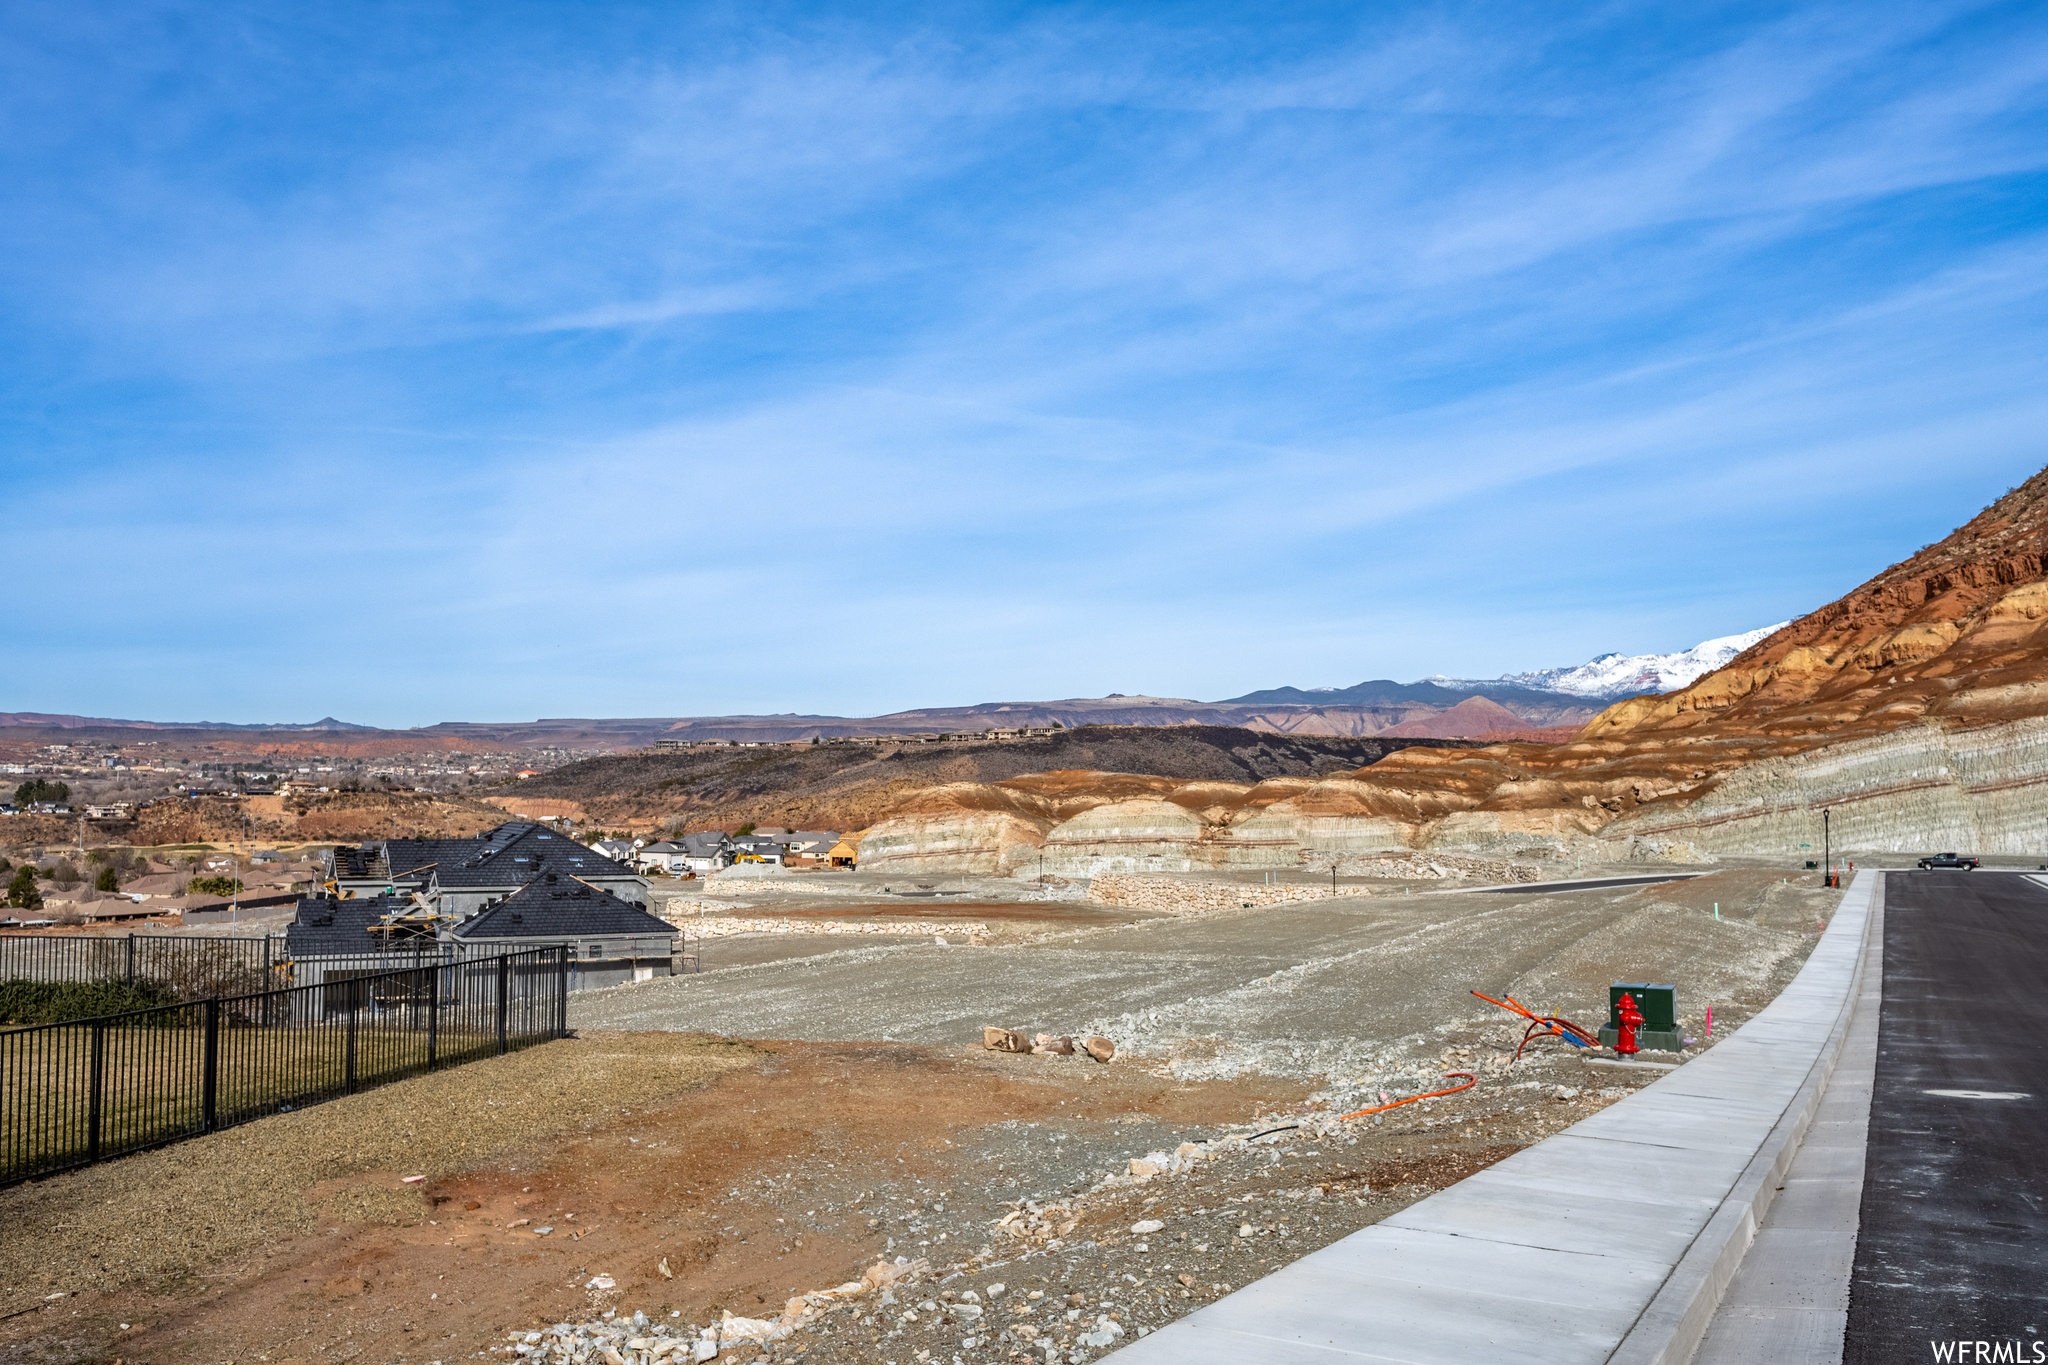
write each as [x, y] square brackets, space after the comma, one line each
[1054, 349]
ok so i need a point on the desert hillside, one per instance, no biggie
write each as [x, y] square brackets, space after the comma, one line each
[347, 817]
[1955, 632]
[848, 786]
[1915, 707]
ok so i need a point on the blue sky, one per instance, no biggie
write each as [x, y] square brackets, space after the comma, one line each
[496, 361]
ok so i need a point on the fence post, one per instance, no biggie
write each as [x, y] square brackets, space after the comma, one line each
[348, 1079]
[93, 1092]
[209, 1103]
[562, 990]
[504, 998]
[433, 1016]
[131, 958]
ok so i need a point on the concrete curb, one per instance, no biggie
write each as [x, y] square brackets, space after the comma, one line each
[1611, 1241]
[1671, 1328]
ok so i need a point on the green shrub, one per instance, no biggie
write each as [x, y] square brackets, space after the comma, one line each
[22, 892]
[52, 1002]
[215, 886]
[108, 880]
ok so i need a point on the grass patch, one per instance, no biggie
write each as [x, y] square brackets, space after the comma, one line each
[52, 1002]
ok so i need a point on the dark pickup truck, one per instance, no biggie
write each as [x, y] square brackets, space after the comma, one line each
[1948, 860]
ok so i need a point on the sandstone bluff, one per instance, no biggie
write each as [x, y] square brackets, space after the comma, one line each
[1915, 708]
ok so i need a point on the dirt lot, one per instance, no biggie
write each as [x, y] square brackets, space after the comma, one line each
[1365, 992]
[755, 1170]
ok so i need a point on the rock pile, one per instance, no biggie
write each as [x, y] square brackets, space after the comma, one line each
[1431, 865]
[721, 926]
[1046, 1044]
[1183, 896]
[614, 1339]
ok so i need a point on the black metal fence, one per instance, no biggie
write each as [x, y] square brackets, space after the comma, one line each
[187, 967]
[88, 1089]
[197, 967]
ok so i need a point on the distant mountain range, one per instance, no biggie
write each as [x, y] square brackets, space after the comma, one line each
[48, 721]
[1546, 703]
[1611, 677]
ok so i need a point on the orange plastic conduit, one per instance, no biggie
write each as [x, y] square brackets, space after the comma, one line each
[1470, 1081]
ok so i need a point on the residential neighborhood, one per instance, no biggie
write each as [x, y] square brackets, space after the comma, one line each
[709, 851]
[518, 887]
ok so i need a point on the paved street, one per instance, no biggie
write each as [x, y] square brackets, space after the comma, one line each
[1953, 1242]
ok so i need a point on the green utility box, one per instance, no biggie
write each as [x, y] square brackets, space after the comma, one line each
[1659, 1005]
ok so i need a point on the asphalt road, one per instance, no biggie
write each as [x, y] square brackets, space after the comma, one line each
[1595, 883]
[1953, 1243]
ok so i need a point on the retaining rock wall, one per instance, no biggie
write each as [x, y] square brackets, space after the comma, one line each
[1173, 896]
[1920, 787]
[1423, 866]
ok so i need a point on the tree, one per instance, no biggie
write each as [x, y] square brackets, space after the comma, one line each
[22, 892]
[40, 789]
[744, 830]
[108, 880]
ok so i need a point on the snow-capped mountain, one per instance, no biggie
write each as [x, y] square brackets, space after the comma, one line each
[1613, 676]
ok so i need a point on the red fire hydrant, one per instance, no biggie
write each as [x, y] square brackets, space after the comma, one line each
[1631, 1020]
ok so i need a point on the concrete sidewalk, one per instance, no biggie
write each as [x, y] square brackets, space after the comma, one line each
[1789, 1302]
[1611, 1241]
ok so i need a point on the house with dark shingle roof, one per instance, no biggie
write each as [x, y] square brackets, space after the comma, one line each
[327, 926]
[333, 943]
[458, 877]
[611, 941]
[707, 850]
[393, 867]
[515, 855]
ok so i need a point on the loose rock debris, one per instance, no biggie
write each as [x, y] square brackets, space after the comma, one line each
[1115, 1277]
[1045, 1044]
[792, 1166]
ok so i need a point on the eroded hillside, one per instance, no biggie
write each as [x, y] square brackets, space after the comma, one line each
[1908, 707]
[849, 786]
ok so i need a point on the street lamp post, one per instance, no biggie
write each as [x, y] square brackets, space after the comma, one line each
[1827, 850]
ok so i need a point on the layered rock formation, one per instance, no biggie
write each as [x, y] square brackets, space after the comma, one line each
[1916, 706]
[1955, 632]
[1983, 790]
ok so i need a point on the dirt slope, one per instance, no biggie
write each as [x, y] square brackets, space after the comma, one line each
[346, 816]
[1956, 631]
[1954, 635]
[847, 786]
[1957, 634]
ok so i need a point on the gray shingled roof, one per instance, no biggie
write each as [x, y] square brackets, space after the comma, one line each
[515, 854]
[327, 927]
[562, 909]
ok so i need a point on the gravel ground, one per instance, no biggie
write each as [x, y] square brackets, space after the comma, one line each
[1034, 1236]
[1366, 993]
[702, 1176]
